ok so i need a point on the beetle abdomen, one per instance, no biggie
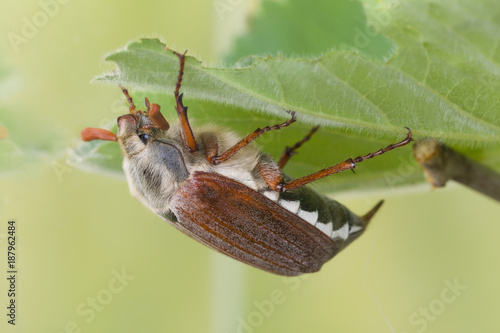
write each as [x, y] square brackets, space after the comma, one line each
[244, 224]
[329, 216]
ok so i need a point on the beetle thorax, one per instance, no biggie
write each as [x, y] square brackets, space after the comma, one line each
[157, 162]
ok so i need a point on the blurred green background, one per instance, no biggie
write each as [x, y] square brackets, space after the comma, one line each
[78, 231]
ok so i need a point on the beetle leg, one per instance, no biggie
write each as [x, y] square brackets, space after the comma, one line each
[348, 164]
[188, 136]
[252, 136]
[210, 144]
[290, 151]
[129, 99]
[271, 174]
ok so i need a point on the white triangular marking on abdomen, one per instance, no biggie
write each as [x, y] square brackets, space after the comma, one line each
[343, 232]
[292, 206]
[355, 228]
[271, 195]
[325, 227]
[310, 217]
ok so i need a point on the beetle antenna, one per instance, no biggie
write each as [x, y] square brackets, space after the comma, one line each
[156, 116]
[90, 134]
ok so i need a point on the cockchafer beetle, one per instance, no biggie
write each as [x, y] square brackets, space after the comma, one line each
[228, 195]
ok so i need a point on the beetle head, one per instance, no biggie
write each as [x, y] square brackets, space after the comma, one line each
[153, 154]
[153, 161]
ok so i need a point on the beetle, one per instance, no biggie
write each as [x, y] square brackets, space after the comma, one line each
[228, 195]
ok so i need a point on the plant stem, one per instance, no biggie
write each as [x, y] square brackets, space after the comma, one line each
[441, 163]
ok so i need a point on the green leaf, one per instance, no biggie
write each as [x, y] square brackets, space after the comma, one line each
[334, 25]
[340, 90]
[442, 81]
[98, 156]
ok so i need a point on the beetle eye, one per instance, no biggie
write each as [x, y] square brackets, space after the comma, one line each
[144, 138]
